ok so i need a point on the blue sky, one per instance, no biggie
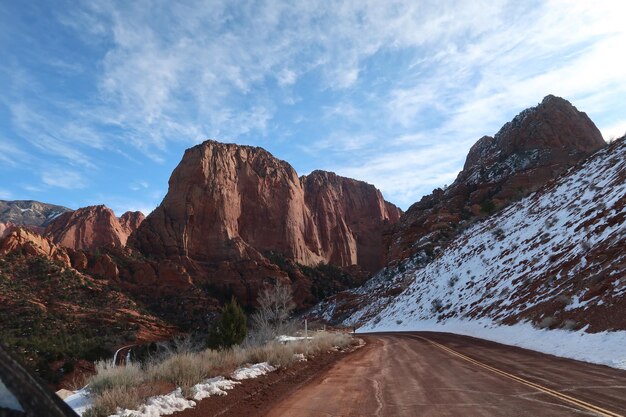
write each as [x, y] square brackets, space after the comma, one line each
[99, 100]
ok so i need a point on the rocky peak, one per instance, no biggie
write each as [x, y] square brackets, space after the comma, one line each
[92, 227]
[533, 148]
[33, 214]
[131, 220]
[228, 202]
[554, 129]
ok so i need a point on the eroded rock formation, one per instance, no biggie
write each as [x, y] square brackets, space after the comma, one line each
[232, 203]
[92, 227]
[535, 147]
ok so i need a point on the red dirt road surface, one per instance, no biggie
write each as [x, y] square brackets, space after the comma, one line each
[437, 374]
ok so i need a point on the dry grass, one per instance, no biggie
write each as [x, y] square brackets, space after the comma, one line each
[124, 386]
[182, 369]
[107, 401]
[109, 376]
[324, 341]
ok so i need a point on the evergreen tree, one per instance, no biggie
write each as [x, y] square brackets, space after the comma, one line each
[230, 329]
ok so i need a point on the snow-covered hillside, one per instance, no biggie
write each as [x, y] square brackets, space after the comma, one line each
[556, 259]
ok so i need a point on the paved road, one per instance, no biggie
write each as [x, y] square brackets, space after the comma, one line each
[437, 374]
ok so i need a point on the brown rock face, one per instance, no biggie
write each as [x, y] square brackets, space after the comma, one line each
[4, 227]
[235, 203]
[535, 147]
[130, 221]
[349, 216]
[92, 227]
[31, 244]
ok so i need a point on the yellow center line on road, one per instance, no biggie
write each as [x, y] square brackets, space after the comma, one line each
[579, 403]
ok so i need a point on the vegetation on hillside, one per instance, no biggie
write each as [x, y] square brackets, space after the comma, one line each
[51, 316]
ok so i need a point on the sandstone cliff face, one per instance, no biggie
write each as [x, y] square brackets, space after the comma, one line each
[4, 227]
[349, 216]
[31, 244]
[92, 227]
[233, 203]
[532, 149]
[130, 221]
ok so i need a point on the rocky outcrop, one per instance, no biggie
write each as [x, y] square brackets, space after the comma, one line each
[236, 203]
[130, 221]
[349, 216]
[555, 259]
[92, 227]
[31, 244]
[535, 147]
[4, 229]
[32, 214]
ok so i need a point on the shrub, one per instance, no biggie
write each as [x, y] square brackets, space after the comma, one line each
[436, 305]
[181, 369]
[275, 307]
[547, 322]
[128, 386]
[110, 376]
[564, 299]
[107, 402]
[570, 324]
[231, 328]
[452, 281]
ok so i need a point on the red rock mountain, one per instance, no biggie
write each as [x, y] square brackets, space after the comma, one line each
[535, 147]
[555, 259]
[92, 227]
[32, 244]
[234, 203]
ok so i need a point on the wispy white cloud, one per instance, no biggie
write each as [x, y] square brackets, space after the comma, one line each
[286, 77]
[139, 185]
[614, 131]
[62, 178]
[392, 92]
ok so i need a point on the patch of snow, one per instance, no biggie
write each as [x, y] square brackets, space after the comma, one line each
[161, 405]
[285, 339]
[605, 348]
[526, 256]
[252, 371]
[79, 402]
[300, 357]
[214, 386]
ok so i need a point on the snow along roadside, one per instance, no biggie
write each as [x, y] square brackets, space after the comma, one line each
[162, 405]
[604, 348]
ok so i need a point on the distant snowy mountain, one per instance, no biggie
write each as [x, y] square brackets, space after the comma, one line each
[556, 259]
[29, 212]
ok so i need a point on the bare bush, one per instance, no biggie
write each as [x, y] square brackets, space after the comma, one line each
[110, 376]
[564, 299]
[107, 402]
[182, 369]
[436, 305]
[547, 322]
[570, 324]
[452, 281]
[326, 340]
[272, 318]
[128, 386]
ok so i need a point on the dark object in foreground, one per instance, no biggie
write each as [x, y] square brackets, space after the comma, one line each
[24, 395]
